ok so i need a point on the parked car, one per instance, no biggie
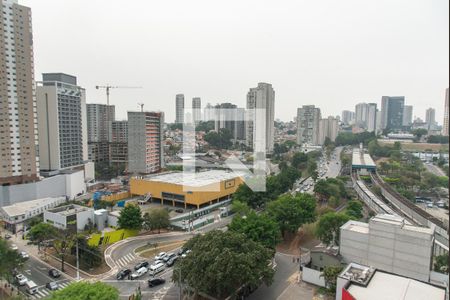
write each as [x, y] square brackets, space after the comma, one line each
[54, 273]
[141, 264]
[171, 261]
[156, 281]
[179, 210]
[139, 273]
[31, 287]
[21, 279]
[7, 236]
[185, 253]
[161, 255]
[52, 286]
[14, 247]
[123, 274]
[24, 255]
[168, 256]
[181, 251]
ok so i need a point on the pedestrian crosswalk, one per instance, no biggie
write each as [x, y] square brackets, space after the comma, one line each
[160, 293]
[43, 292]
[125, 260]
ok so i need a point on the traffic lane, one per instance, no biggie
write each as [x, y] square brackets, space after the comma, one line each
[284, 270]
[434, 169]
[37, 271]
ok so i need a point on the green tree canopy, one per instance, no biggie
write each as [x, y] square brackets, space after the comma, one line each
[9, 260]
[219, 140]
[239, 208]
[221, 262]
[354, 209]
[259, 228]
[158, 218]
[330, 274]
[41, 232]
[291, 212]
[130, 217]
[328, 227]
[85, 291]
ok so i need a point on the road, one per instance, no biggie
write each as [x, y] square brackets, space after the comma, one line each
[434, 169]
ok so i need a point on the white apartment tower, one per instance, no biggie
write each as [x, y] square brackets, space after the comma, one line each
[145, 142]
[62, 125]
[197, 109]
[445, 125]
[258, 99]
[328, 128]
[308, 122]
[407, 115]
[371, 122]
[18, 125]
[179, 108]
[430, 118]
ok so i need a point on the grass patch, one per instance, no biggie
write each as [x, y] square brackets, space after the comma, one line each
[149, 251]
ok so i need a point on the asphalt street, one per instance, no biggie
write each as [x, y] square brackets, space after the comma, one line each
[434, 169]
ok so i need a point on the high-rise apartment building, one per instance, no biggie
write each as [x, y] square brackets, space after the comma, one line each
[179, 108]
[197, 109]
[430, 118]
[258, 99]
[118, 142]
[209, 112]
[99, 117]
[361, 112]
[371, 122]
[328, 128]
[445, 125]
[229, 116]
[348, 117]
[145, 142]
[308, 122]
[407, 115]
[392, 112]
[18, 124]
[62, 126]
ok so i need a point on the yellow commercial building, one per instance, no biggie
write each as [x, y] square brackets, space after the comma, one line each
[178, 189]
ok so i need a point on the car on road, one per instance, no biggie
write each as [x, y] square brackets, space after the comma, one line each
[14, 247]
[21, 279]
[161, 255]
[171, 261]
[141, 264]
[139, 273]
[123, 274]
[31, 287]
[185, 253]
[7, 236]
[156, 268]
[52, 286]
[168, 256]
[24, 255]
[181, 251]
[54, 273]
[156, 281]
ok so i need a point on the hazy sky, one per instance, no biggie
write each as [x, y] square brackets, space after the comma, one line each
[330, 53]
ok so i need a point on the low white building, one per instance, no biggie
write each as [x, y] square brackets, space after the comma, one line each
[390, 244]
[72, 217]
[15, 216]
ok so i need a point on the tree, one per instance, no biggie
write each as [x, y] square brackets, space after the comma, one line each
[330, 274]
[299, 159]
[354, 209]
[328, 227]
[219, 140]
[292, 212]
[259, 228]
[130, 217]
[64, 241]
[90, 256]
[419, 132]
[239, 208]
[9, 260]
[85, 290]
[159, 218]
[441, 263]
[41, 232]
[221, 262]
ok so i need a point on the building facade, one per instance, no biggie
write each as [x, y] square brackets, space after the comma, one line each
[99, 116]
[118, 138]
[145, 142]
[392, 112]
[62, 126]
[308, 122]
[348, 117]
[430, 118]
[197, 109]
[361, 113]
[260, 98]
[179, 108]
[445, 124]
[18, 119]
[328, 128]
[407, 115]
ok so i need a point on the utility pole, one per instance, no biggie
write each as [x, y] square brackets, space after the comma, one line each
[78, 264]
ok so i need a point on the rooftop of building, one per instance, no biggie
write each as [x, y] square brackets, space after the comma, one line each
[22, 208]
[370, 284]
[194, 179]
[69, 210]
[356, 226]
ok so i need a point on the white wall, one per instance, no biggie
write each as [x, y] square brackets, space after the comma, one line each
[313, 276]
[75, 184]
[83, 217]
[55, 219]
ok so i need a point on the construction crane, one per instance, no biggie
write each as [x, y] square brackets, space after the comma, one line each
[142, 106]
[108, 87]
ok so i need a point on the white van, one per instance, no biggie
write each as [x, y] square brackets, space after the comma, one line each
[139, 273]
[31, 287]
[155, 269]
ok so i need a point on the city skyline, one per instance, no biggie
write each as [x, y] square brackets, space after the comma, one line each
[415, 64]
